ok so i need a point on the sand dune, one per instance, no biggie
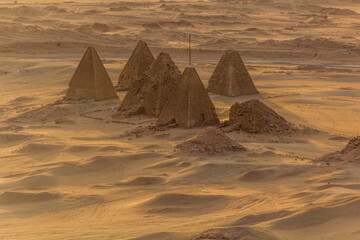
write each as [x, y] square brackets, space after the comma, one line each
[264, 217]
[39, 148]
[237, 233]
[23, 11]
[8, 139]
[271, 174]
[9, 198]
[338, 11]
[33, 182]
[140, 181]
[314, 216]
[184, 204]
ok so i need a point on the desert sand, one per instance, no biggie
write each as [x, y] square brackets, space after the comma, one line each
[69, 170]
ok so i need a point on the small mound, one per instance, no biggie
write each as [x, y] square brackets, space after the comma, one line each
[10, 198]
[51, 8]
[210, 141]
[236, 233]
[119, 9]
[255, 117]
[176, 24]
[320, 20]
[55, 9]
[38, 148]
[350, 154]
[84, 29]
[112, 149]
[338, 11]
[142, 181]
[151, 26]
[173, 8]
[100, 27]
[91, 11]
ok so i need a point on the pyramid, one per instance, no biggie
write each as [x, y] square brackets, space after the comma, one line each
[139, 61]
[230, 77]
[149, 94]
[211, 141]
[189, 105]
[254, 116]
[90, 79]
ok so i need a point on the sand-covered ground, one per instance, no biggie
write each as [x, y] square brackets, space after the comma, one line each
[70, 171]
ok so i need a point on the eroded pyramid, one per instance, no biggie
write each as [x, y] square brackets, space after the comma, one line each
[211, 141]
[230, 77]
[189, 105]
[349, 154]
[254, 116]
[139, 61]
[90, 79]
[149, 94]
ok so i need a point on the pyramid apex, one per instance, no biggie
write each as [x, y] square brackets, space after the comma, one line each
[190, 104]
[163, 55]
[141, 43]
[189, 68]
[91, 49]
[140, 59]
[231, 51]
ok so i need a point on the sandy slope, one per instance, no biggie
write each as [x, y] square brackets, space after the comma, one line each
[67, 171]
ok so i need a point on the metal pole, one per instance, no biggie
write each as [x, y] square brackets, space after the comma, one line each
[190, 49]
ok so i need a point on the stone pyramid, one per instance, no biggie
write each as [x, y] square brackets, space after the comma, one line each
[149, 94]
[189, 105]
[90, 79]
[139, 61]
[230, 77]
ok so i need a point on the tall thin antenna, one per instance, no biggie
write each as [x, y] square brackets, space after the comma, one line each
[190, 49]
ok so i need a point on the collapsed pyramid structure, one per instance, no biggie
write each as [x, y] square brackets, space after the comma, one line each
[139, 61]
[254, 116]
[149, 94]
[90, 79]
[189, 105]
[230, 77]
[349, 154]
[211, 141]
